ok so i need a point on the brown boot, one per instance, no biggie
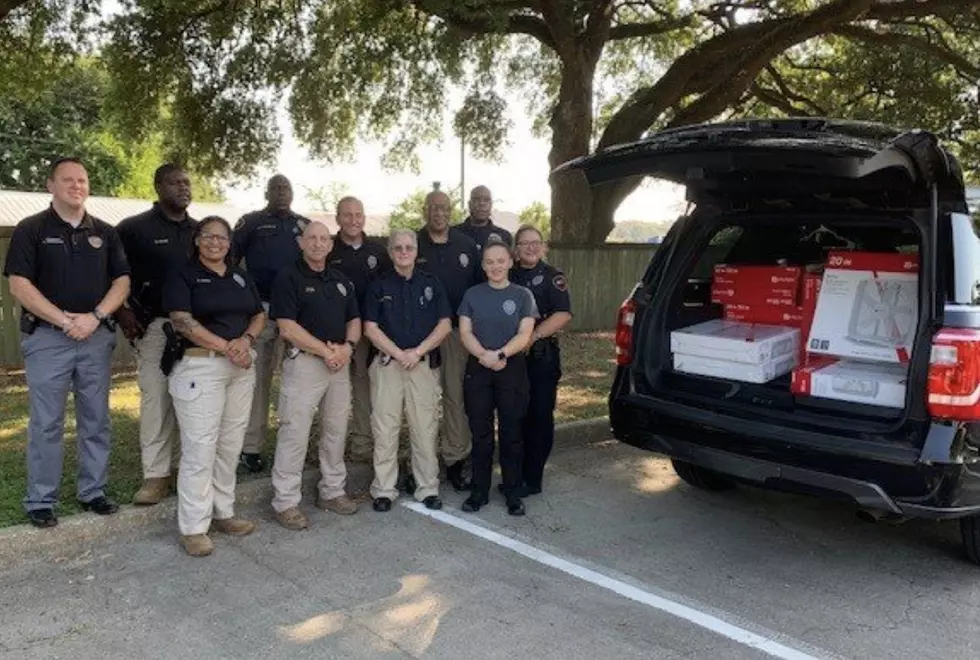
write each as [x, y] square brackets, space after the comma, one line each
[233, 526]
[152, 491]
[343, 505]
[197, 545]
[293, 519]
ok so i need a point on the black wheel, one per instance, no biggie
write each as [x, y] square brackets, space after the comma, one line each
[970, 530]
[702, 478]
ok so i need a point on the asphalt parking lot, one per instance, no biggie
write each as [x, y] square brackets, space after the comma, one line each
[616, 560]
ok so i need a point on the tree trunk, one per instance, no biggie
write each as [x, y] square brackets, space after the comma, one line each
[571, 130]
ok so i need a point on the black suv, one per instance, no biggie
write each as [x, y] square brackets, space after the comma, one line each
[788, 192]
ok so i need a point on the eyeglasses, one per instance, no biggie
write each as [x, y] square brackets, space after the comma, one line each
[216, 238]
[403, 248]
[530, 243]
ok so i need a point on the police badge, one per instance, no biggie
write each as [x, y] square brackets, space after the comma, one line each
[372, 261]
[464, 260]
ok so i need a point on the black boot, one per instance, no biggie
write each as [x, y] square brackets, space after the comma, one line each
[456, 475]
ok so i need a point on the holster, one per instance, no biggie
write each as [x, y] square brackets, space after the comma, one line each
[28, 322]
[435, 358]
[143, 315]
[544, 349]
[173, 350]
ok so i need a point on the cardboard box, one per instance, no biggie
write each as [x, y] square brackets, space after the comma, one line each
[736, 342]
[765, 314]
[746, 373]
[772, 285]
[870, 383]
[867, 307]
[808, 307]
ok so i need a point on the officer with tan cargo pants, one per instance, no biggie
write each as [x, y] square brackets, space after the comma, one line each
[452, 257]
[316, 310]
[216, 307]
[406, 317]
[156, 242]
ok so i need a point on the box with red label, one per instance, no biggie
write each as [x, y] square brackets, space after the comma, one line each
[767, 285]
[808, 306]
[765, 314]
[736, 342]
[845, 380]
[867, 307]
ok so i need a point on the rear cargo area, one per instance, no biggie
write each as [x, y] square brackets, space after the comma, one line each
[817, 318]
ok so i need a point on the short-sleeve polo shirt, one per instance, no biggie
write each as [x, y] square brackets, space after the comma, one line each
[321, 302]
[223, 304]
[407, 310]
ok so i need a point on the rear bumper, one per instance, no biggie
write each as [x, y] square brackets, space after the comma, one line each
[786, 477]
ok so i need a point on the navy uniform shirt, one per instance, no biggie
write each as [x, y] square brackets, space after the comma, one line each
[455, 263]
[362, 265]
[268, 242]
[407, 310]
[224, 304]
[496, 314]
[321, 302]
[155, 245]
[72, 267]
[481, 234]
[548, 286]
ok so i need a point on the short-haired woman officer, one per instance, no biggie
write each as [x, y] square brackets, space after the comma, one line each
[217, 309]
[496, 319]
[550, 291]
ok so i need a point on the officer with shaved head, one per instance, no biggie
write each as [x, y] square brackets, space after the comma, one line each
[453, 258]
[268, 241]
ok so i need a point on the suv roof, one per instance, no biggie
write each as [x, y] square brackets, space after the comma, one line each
[787, 154]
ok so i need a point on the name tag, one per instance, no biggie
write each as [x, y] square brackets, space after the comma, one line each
[161, 241]
[203, 280]
[54, 240]
[267, 227]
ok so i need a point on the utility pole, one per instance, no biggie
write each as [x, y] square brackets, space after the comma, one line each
[462, 174]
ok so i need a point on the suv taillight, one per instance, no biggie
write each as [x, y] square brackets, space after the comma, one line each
[624, 332]
[954, 375]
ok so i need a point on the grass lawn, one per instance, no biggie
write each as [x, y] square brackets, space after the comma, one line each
[588, 364]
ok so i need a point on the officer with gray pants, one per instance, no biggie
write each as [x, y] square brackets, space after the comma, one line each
[68, 271]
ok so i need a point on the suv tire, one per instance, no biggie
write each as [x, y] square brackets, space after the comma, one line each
[702, 478]
[970, 531]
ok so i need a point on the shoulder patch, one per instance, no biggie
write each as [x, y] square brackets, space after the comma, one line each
[240, 224]
[560, 282]
[342, 289]
[239, 280]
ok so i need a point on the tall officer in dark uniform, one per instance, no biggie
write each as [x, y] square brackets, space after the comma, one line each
[496, 319]
[268, 241]
[479, 225]
[454, 259]
[68, 271]
[156, 242]
[363, 260]
[550, 290]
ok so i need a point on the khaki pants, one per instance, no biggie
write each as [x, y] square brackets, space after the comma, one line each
[158, 425]
[359, 439]
[212, 399]
[307, 385]
[417, 391]
[455, 431]
[267, 346]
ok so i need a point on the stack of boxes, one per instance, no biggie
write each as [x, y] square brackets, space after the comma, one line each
[846, 334]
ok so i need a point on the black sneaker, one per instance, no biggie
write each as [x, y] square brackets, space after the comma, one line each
[252, 463]
[100, 505]
[432, 502]
[42, 518]
[382, 504]
[473, 503]
[515, 507]
[456, 475]
[522, 492]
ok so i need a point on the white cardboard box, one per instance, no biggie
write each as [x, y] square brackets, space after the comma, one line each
[861, 382]
[867, 308]
[734, 341]
[747, 373]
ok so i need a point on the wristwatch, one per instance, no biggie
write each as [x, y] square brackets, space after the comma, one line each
[250, 337]
[99, 316]
[501, 355]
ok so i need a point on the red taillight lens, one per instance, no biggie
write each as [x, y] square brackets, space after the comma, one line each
[624, 332]
[954, 375]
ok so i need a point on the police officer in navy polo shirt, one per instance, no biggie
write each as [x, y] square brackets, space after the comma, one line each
[68, 271]
[156, 242]
[550, 290]
[452, 257]
[479, 225]
[268, 241]
[363, 260]
[406, 317]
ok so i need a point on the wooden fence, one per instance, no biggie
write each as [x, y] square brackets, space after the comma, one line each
[599, 277]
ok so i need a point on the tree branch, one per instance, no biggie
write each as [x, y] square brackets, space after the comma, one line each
[964, 67]
[884, 10]
[653, 28]
[486, 23]
[773, 99]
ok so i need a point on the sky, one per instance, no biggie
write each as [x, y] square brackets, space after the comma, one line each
[518, 180]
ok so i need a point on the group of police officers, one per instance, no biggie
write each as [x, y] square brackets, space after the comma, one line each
[373, 337]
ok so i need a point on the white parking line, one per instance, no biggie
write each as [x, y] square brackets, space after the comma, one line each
[710, 622]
